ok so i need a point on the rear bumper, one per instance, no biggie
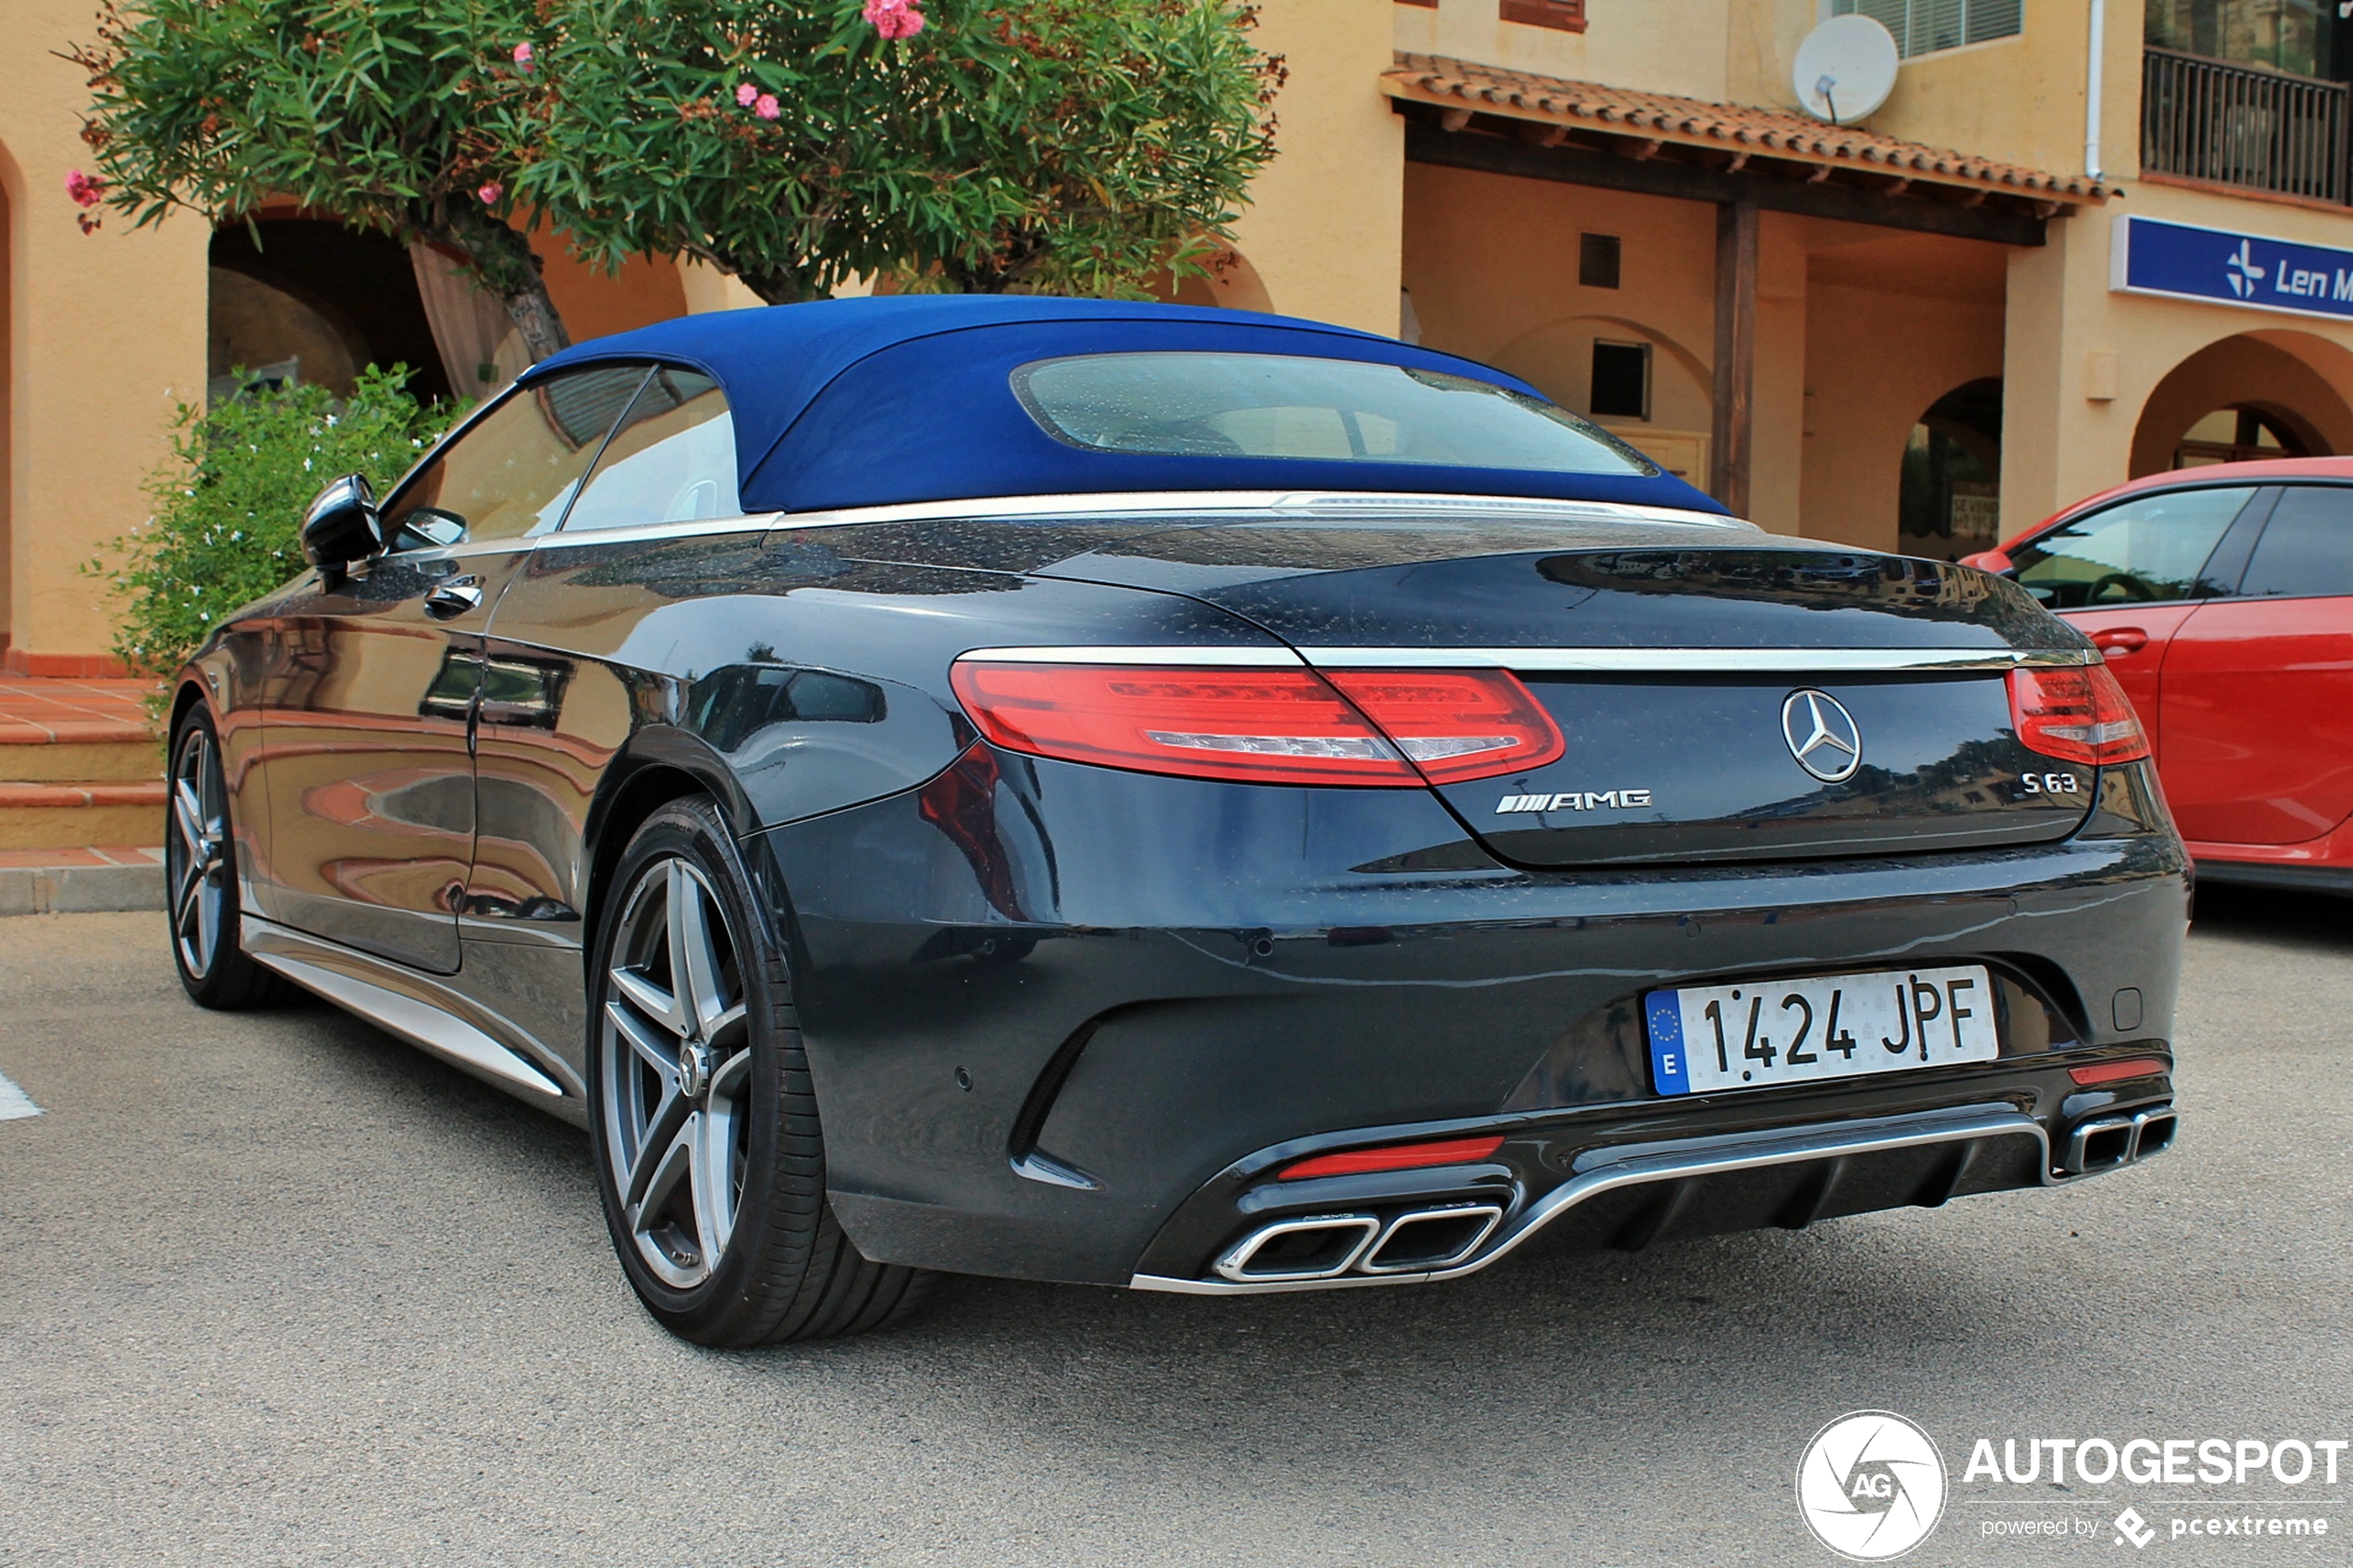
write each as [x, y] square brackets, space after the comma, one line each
[1066, 1036]
[1629, 1195]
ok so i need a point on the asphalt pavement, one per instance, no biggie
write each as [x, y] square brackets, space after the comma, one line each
[276, 1288]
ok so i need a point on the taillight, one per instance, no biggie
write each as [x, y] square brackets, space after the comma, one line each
[1262, 726]
[2078, 714]
[1456, 724]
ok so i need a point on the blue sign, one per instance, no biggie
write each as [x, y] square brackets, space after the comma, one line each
[2177, 259]
[1670, 1074]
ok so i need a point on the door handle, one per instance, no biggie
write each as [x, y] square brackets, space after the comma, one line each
[2120, 639]
[456, 597]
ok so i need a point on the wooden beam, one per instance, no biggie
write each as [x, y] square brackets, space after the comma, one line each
[1453, 119]
[1731, 439]
[1573, 165]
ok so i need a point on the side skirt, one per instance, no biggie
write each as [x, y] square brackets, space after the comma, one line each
[421, 1010]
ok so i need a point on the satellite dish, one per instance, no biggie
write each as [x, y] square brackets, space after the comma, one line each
[1845, 68]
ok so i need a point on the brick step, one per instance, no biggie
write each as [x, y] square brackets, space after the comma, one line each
[80, 764]
[80, 813]
[132, 754]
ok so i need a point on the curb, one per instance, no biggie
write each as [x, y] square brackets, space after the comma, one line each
[73, 890]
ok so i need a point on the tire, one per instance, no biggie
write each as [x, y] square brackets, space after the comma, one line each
[685, 1080]
[200, 877]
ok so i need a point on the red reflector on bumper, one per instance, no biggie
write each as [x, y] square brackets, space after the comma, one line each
[1396, 1157]
[2115, 1072]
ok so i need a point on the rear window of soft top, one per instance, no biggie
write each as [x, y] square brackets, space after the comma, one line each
[1233, 405]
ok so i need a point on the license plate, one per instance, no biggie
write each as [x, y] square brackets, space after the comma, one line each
[1761, 1034]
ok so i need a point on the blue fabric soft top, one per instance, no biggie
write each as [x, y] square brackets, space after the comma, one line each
[869, 402]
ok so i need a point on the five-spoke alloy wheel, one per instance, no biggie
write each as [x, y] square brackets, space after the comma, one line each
[676, 1073]
[709, 1154]
[200, 875]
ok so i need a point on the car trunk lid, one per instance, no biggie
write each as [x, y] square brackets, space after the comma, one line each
[1687, 681]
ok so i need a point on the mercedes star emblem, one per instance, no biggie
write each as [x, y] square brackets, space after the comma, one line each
[1822, 735]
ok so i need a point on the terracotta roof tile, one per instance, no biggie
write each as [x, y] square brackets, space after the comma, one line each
[1731, 128]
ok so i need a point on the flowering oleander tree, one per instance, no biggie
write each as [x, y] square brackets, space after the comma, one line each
[387, 114]
[1058, 146]
[1073, 146]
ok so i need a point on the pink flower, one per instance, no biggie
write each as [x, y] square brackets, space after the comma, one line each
[895, 18]
[523, 57]
[85, 191]
[745, 93]
[766, 107]
[491, 192]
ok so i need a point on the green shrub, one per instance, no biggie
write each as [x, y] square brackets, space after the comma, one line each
[229, 502]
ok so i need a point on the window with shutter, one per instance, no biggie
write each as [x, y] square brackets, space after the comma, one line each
[1566, 15]
[1924, 26]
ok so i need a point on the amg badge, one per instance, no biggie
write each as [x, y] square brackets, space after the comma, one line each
[1575, 800]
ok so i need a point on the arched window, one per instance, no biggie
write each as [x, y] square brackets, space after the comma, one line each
[2236, 435]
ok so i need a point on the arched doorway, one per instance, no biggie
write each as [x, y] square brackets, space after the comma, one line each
[305, 299]
[2267, 395]
[1950, 501]
[1231, 284]
[1663, 391]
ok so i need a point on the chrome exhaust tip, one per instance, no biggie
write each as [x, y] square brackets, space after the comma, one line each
[1318, 1247]
[2153, 1131]
[1431, 1238]
[2100, 1146]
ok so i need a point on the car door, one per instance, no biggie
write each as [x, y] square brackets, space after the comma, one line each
[2130, 575]
[553, 711]
[2259, 686]
[373, 673]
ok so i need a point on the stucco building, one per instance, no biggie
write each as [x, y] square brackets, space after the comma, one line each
[2082, 240]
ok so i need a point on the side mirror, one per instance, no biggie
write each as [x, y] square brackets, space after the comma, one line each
[1994, 561]
[342, 525]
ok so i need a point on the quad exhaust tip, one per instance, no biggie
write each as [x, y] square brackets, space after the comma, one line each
[2111, 1142]
[1327, 1246]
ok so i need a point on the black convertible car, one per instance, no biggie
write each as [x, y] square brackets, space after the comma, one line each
[1168, 798]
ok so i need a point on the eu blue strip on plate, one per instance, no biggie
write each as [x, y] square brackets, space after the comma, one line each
[1668, 1070]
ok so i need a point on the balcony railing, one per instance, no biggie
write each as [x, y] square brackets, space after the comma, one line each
[2208, 120]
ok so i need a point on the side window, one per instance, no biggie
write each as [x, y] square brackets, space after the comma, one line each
[2146, 549]
[671, 460]
[511, 474]
[2307, 548]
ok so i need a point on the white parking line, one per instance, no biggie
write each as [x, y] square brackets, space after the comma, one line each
[14, 1104]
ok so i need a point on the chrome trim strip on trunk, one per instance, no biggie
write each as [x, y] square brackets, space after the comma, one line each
[1270, 655]
[1598, 661]
[400, 1001]
[1328, 503]
[1699, 1156]
[1690, 662]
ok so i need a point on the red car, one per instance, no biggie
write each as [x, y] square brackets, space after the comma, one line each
[2222, 598]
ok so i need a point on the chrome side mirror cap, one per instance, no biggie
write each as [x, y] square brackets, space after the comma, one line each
[342, 525]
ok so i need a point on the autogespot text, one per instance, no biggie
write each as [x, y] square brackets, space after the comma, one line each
[2158, 1462]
